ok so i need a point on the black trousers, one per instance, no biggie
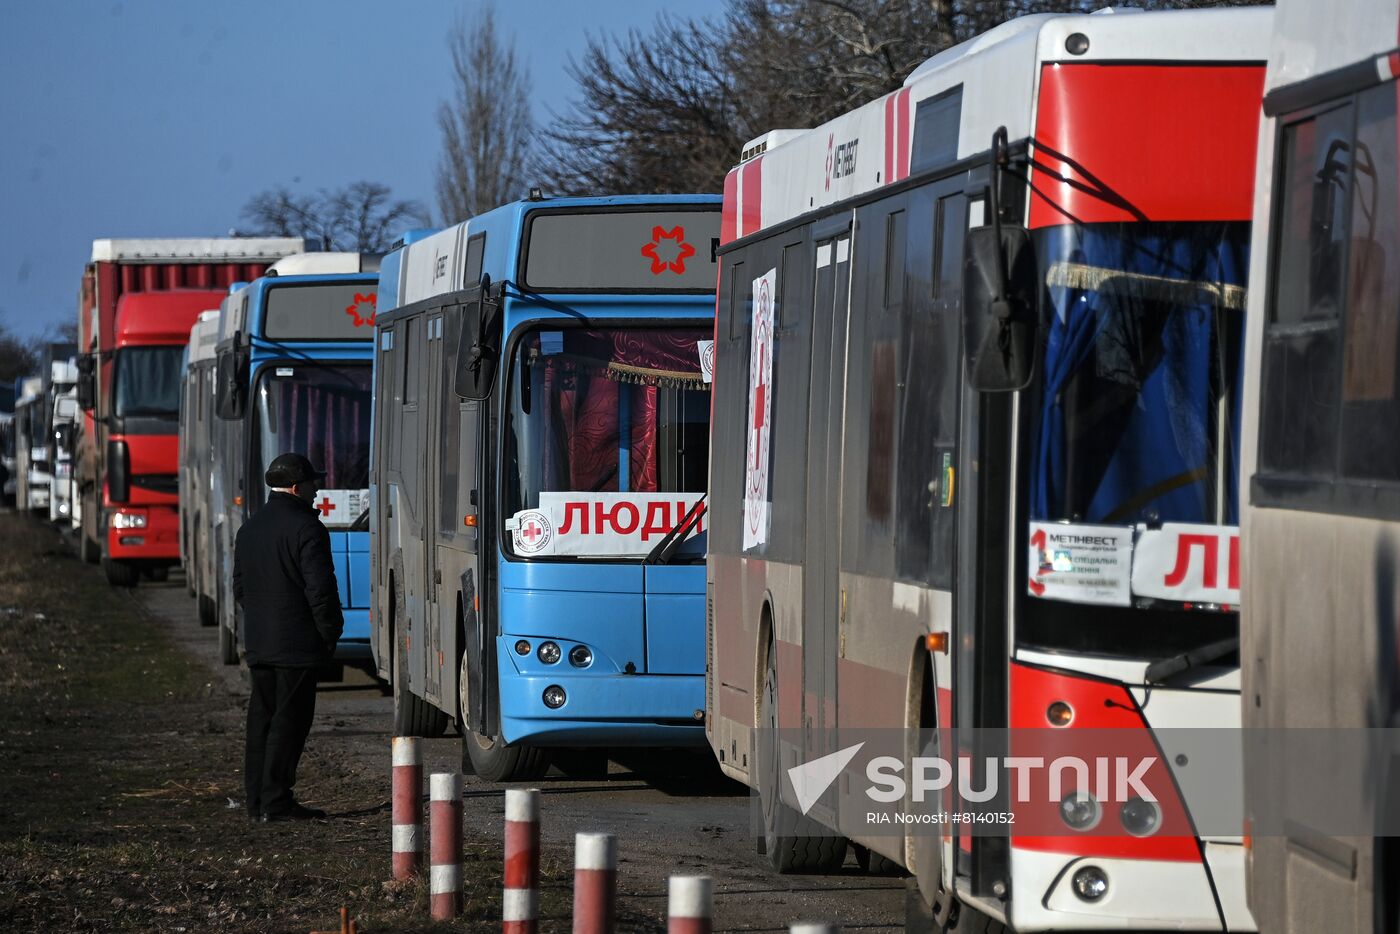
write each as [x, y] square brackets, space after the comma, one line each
[280, 710]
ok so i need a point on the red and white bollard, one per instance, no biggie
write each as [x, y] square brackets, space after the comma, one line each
[690, 905]
[445, 876]
[408, 807]
[813, 927]
[521, 905]
[595, 883]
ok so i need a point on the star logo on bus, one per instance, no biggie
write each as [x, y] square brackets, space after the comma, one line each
[683, 251]
[357, 309]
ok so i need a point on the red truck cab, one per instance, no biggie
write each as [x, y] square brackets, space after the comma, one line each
[141, 493]
[138, 301]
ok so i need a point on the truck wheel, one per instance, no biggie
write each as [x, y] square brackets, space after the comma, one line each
[120, 574]
[88, 549]
[794, 842]
[494, 761]
[413, 716]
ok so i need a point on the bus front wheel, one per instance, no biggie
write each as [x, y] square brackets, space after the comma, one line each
[494, 761]
[793, 842]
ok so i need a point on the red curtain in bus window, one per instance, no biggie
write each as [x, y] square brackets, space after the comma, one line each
[328, 420]
[603, 380]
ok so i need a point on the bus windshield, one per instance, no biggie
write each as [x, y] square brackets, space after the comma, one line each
[607, 442]
[148, 381]
[321, 410]
[1137, 419]
[1134, 430]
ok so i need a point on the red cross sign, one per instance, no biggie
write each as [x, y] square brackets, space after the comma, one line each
[532, 531]
[326, 506]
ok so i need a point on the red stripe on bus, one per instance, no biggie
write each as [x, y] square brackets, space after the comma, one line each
[729, 212]
[1145, 142]
[906, 126]
[889, 138]
[752, 216]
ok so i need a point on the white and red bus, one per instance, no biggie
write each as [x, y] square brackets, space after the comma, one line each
[1321, 466]
[951, 495]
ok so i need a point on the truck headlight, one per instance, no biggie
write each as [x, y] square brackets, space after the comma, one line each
[129, 520]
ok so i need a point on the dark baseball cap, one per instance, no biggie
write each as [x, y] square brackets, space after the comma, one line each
[289, 470]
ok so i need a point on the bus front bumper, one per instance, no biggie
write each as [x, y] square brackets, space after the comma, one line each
[600, 708]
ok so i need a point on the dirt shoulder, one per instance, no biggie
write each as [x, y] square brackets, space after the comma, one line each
[119, 758]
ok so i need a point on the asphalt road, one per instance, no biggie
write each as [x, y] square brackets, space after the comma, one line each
[672, 813]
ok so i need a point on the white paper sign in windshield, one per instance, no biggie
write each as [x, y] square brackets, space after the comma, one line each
[1190, 563]
[760, 411]
[324, 311]
[600, 525]
[1081, 563]
[339, 508]
[628, 251]
[706, 350]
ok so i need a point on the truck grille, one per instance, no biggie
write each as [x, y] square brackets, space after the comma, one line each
[157, 483]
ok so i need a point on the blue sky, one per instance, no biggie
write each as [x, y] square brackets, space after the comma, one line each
[135, 118]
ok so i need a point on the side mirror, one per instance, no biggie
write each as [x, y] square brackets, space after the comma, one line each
[87, 382]
[999, 309]
[231, 381]
[479, 344]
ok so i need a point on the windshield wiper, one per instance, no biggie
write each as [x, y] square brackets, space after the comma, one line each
[1168, 668]
[361, 524]
[671, 541]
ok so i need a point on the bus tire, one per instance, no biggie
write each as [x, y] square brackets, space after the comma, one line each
[120, 574]
[413, 716]
[494, 761]
[793, 842]
[968, 920]
[228, 643]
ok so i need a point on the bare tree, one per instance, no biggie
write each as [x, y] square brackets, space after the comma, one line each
[656, 112]
[486, 125]
[18, 357]
[669, 110]
[361, 217]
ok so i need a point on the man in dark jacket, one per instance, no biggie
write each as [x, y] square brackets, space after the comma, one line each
[284, 579]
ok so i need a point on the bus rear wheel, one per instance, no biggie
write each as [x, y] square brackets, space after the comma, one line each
[794, 842]
[494, 761]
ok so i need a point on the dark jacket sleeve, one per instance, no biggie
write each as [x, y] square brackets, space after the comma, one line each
[237, 570]
[322, 593]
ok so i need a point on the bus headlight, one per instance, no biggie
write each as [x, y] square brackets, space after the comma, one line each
[1090, 883]
[1140, 818]
[549, 653]
[554, 697]
[129, 520]
[580, 656]
[522, 647]
[1080, 811]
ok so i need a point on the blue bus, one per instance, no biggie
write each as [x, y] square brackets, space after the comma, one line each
[292, 372]
[541, 439]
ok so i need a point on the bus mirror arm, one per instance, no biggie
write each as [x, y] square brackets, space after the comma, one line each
[999, 293]
[479, 347]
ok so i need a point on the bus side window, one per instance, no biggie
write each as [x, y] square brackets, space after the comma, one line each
[929, 367]
[393, 382]
[409, 440]
[450, 427]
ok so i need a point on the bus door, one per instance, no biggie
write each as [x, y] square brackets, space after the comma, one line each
[821, 551]
[980, 605]
[435, 659]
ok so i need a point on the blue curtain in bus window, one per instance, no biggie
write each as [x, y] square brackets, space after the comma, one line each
[1143, 330]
